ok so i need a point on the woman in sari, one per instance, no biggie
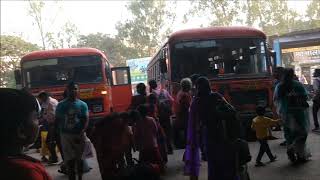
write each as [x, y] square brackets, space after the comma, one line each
[182, 111]
[202, 119]
[291, 99]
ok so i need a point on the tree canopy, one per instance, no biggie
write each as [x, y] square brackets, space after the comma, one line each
[218, 12]
[148, 26]
[64, 37]
[272, 16]
[12, 49]
[115, 51]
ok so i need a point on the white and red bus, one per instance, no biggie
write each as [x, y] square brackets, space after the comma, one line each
[103, 87]
[235, 59]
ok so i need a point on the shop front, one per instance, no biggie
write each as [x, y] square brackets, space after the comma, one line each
[304, 60]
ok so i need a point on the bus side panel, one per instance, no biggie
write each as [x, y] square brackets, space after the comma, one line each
[121, 97]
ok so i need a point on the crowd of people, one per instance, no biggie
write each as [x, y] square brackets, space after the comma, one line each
[205, 121]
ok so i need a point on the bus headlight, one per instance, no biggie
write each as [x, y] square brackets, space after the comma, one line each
[104, 92]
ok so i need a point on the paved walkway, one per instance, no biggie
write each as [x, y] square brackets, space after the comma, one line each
[279, 170]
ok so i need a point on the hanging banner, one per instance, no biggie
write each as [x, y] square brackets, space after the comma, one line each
[138, 69]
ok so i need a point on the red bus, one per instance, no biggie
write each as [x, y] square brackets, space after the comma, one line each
[103, 87]
[235, 59]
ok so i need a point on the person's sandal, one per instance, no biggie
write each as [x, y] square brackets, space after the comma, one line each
[44, 159]
[274, 158]
[284, 143]
[62, 171]
[259, 164]
[291, 155]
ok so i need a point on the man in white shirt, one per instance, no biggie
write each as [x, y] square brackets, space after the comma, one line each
[48, 108]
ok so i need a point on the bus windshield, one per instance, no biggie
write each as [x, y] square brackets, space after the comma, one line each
[232, 57]
[61, 70]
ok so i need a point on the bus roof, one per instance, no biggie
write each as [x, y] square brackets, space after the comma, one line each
[216, 32]
[46, 54]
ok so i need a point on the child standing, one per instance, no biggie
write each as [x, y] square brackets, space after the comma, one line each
[261, 124]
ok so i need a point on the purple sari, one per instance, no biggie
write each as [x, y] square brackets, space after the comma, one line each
[192, 153]
[221, 155]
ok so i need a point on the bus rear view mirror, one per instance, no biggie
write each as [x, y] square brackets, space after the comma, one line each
[17, 76]
[273, 58]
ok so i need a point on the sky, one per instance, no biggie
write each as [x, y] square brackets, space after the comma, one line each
[88, 16]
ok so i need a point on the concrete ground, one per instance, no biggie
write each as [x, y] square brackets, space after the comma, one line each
[279, 170]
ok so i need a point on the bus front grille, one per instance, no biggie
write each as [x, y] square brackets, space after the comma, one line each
[253, 97]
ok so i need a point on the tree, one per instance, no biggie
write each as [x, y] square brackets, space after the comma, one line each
[313, 14]
[148, 27]
[67, 35]
[70, 34]
[35, 11]
[12, 49]
[219, 12]
[65, 38]
[115, 51]
[273, 16]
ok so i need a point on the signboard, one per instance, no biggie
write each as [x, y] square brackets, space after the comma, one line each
[304, 54]
[138, 69]
[307, 55]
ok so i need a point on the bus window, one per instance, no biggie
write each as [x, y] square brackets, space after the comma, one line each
[121, 88]
[58, 71]
[156, 71]
[221, 57]
[120, 76]
[108, 73]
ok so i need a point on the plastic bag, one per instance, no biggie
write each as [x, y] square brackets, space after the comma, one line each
[88, 150]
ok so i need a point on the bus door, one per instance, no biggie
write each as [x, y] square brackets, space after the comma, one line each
[121, 88]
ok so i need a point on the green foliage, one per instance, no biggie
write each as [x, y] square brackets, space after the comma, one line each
[116, 52]
[35, 11]
[148, 27]
[219, 12]
[313, 14]
[275, 17]
[272, 16]
[64, 38]
[12, 49]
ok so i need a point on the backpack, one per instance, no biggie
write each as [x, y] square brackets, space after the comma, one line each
[164, 104]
